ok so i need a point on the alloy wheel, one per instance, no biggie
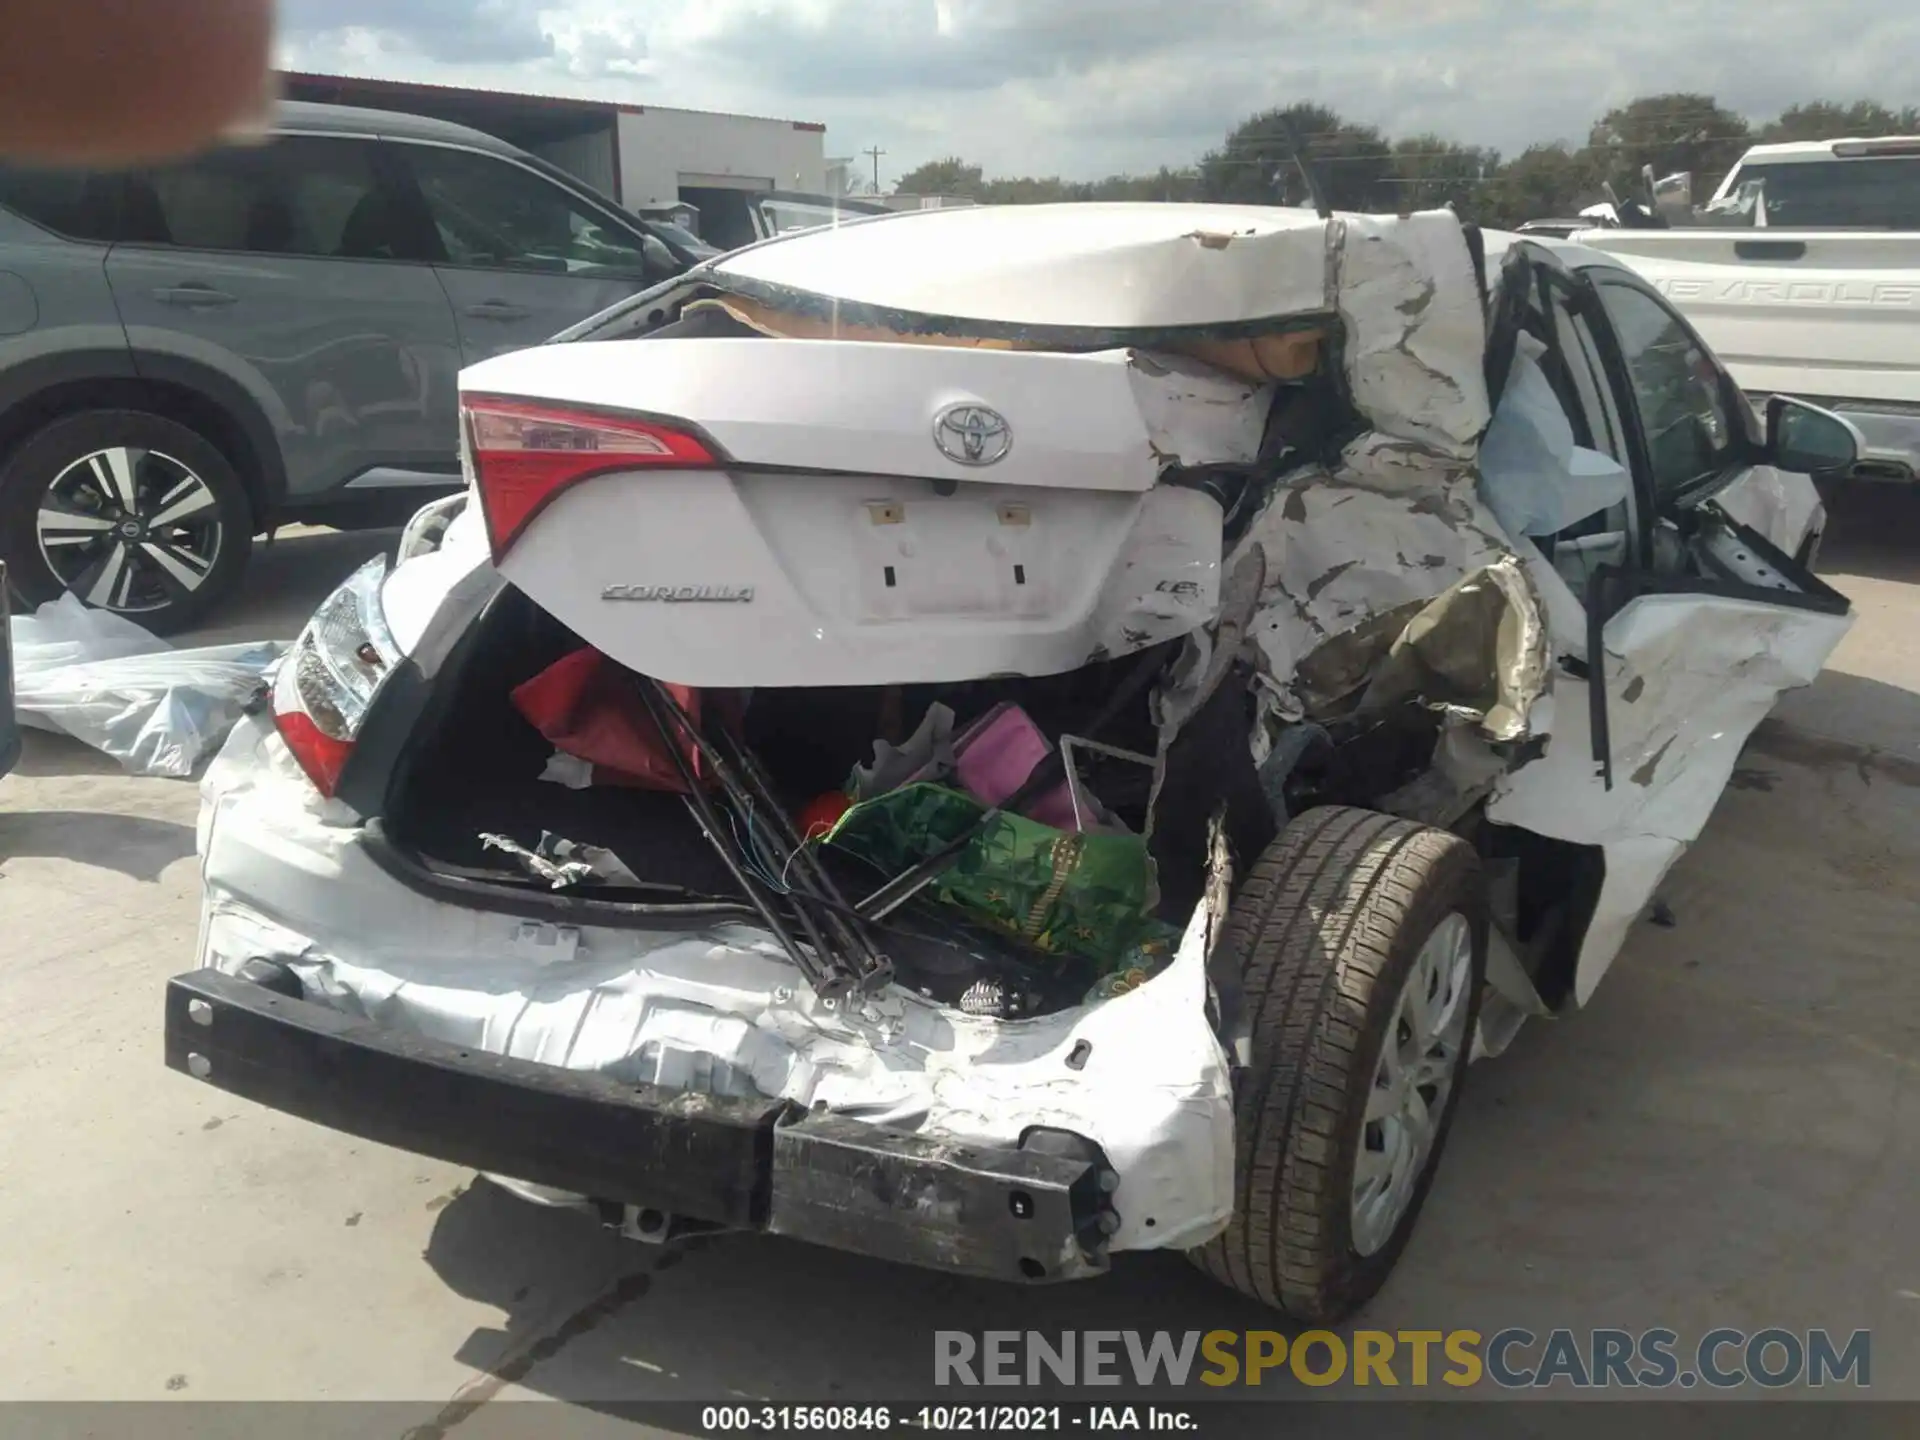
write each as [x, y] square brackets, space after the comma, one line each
[1419, 1057]
[129, 529]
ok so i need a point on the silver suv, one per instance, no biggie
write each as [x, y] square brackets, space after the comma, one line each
[190, 356]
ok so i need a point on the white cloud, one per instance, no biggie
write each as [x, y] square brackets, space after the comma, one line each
[1089, 87]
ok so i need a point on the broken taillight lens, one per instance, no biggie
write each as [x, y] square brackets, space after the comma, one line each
[328, 679]
[524, 454]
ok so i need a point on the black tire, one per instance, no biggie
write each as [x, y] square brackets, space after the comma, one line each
[220, 536]
[1326, 931]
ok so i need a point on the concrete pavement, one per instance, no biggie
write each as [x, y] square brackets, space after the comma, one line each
[1729, 1136]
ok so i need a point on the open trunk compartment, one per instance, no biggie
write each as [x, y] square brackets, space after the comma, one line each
[475, 769]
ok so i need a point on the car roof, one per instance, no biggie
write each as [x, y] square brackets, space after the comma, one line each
[814, 197]
[1856, 148]
[1569, 253]
[309, 118]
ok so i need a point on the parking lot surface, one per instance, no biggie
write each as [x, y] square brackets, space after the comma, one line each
[1730, 1136]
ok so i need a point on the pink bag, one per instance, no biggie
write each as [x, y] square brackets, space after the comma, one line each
[994, 756]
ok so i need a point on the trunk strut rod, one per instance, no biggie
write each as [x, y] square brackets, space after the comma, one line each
[853, 961]
[828, 978]
[841, 918]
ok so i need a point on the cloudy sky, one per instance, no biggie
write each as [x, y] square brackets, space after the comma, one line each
[1085, 88]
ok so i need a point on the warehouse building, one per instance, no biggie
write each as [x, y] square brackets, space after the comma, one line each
[650, 158]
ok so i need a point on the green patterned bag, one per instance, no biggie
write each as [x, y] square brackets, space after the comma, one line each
[1065, 893]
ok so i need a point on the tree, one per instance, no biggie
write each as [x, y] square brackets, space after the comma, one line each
[1033, 190]
[1166, 185]
[951, 176]
[1671, 133]
[1429, 172]
[1541, 182]
[1825, 120]
[1256, 164]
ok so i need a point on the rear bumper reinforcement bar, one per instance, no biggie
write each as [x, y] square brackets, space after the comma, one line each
[1007, 1213]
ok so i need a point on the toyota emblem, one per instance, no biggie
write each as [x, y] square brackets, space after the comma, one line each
[972, 435]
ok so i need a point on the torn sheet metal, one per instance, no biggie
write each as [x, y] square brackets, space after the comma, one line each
[1478, 651]
[1194, 414]
[1778, 504]
[719, 1009]
[1349, 568]
[1415, 335]
[1688, 678]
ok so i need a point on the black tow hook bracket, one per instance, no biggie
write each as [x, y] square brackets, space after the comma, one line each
[651, 1226]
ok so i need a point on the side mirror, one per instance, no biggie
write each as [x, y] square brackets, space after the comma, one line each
[660, 260]
[1807, 439]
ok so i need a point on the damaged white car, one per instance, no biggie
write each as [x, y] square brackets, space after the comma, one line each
[995, 737]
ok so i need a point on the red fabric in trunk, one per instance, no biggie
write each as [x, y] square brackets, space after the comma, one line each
[590, 708]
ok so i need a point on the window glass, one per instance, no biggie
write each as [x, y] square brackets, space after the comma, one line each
[74, 203]
[1680, 392]
[1592, 421]
[302, 195]
[1875, 194]
[493, 213]
[785, 216]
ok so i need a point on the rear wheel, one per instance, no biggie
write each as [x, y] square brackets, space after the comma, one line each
[1362, 939]
[132, 512]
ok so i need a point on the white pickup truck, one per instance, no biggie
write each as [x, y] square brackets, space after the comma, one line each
[1803, 274]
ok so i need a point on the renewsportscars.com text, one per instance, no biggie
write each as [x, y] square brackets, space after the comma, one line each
[1511, 1359]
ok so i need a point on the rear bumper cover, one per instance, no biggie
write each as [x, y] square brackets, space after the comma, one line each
[766, 1165]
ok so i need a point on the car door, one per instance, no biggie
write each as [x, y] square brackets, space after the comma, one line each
[521, 256]
[296, 271]
[1694, 622]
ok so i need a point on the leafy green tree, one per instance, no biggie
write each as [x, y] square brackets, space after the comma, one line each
[1825, 120]
[1671, 133]
[1033, 190]
[1255, 166]
[1361, 169]
[1167, 184]
[951, 176]
[1541, 182]
[1429, 172]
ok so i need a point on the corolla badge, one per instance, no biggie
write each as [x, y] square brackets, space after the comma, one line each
[682, 594]
[972, 435]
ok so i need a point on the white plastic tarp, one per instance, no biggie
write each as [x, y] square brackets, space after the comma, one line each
[108, 683]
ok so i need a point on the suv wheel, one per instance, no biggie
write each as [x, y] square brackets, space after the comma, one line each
[1362, 939]
[132, 512]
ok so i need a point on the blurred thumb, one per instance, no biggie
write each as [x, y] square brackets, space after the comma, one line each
[101, 82]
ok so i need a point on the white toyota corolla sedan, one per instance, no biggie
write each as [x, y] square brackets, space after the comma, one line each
[995, 737]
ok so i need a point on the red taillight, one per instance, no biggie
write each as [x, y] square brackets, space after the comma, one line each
[319, 754]
[327, 681]
[524, 454]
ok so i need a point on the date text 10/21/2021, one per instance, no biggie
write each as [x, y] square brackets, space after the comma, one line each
[960, 1419]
